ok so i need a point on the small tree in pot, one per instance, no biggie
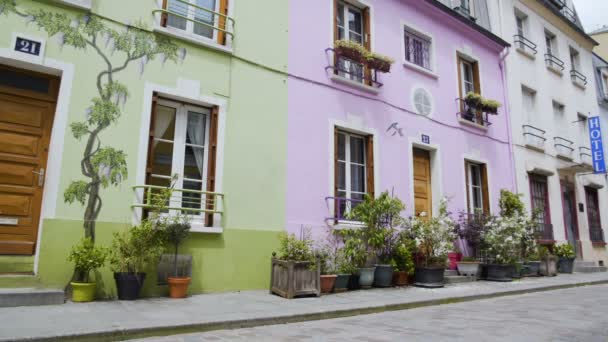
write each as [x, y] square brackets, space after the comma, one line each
[565, 253]
[86, 257]
[434, 239]
[176, 231]
[471, 228]
[355, 256]
[403, 258]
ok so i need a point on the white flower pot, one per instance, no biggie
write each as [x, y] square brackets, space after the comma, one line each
[468, 268]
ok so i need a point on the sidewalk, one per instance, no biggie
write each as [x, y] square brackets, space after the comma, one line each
[114, 320]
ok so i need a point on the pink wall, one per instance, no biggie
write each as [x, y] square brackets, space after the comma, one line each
[315, 101]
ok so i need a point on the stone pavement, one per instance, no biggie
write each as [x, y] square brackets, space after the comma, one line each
[114, 320]
[575, 314]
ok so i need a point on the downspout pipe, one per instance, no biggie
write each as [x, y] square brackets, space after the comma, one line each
[503, 66]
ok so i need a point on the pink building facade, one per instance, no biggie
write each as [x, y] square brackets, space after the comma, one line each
[351, 132]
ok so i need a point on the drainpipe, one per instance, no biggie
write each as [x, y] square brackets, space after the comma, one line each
[502, 64]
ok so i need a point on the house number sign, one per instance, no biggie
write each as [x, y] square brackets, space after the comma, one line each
[426, 139]
[31, 47]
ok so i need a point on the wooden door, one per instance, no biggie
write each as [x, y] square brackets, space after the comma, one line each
[423, 201]
[27, 107]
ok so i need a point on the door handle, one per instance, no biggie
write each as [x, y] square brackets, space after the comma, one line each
[40, 176]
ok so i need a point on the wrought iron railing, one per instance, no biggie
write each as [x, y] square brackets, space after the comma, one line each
[596, 234]
[554, 62]
[342, 206]
[568, 13]
[544, 232]
[187, 201]
[534, 136]
[563, 147]
[577, 77]
[471, 114]
[558, 3]
[356, 72]
[201, 16]
[525, 44]
[585, 155]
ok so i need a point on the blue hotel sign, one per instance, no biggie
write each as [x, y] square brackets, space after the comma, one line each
[597, 147]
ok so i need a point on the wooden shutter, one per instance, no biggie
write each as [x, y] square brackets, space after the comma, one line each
[150, 159]
[163, 17]
[459, 68]
[369, 165]
[336, 35]
[484, 187]
[336, 175]
[477, 89]
[467, 186]
[211, 164]
[367, 41]
[222, 22]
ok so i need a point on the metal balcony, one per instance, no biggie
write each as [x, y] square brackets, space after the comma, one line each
[578, 78]
[186, 201]
[471, 114]
[564, 148]
[534, 137]
[585, 155]
[525, 44]
[341, 208]
[554, 63]
[351, 70]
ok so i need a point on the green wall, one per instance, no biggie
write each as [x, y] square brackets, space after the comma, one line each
[253, 82]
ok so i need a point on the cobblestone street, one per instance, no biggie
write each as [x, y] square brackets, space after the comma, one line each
[577, 314]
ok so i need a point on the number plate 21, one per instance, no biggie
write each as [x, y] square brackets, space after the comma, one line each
[28, 46]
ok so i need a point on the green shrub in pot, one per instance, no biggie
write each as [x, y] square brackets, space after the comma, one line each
[86, 258]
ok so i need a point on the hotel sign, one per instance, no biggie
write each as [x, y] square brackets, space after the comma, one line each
[597, 147]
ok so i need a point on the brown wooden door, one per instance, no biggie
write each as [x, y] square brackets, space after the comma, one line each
[26, 118]
[423, 201]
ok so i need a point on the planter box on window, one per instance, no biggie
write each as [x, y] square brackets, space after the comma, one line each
[290, 279]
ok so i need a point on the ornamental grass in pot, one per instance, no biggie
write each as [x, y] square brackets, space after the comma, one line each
[434, 239]
[176, 230]
[565, 253]
[86, 258]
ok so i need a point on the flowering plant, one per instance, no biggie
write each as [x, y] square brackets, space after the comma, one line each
[434, 236]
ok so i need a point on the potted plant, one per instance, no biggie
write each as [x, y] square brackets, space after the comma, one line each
[403, 259]
[434, 239]
[473, 100]
[379, 62]
[350, 50]
[472, 228]
[548, 262]
[454, 257]
[345, 271]
[565, 253]
[490, 106]
[176, 231]
[328, 273]
[86, 257]
[355, 257]
[532, 263]
[296, 271]
[380, 217]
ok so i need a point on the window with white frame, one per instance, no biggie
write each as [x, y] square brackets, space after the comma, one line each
[604, 78]
[467, 70]
[558, 109]
[197, 18]
[575, 59]
[477, 188]
[352, 175]
[550, 43]
[529, 104]
[179, 146]
[417, 48]
[350, 25]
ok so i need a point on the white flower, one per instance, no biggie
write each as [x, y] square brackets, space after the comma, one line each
[423, 214]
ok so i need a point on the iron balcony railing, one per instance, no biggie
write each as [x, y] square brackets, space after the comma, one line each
[534, 136]
[200, 16]
[471, 114]
[568, 13]
[558, 3]
[563, 147]
[554, 62]
[585, 155]
[596, 234]
[192, 202]
[525, 44]
[577, 77]
[544, 232]
[351, 70]
[342, 206]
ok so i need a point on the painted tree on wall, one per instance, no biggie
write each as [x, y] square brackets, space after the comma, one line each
[102, 166]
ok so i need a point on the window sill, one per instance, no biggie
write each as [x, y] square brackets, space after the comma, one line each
[82, 4]
[526, 53]
[579, 85]
[180, 34]
[355, 84]
[536, 147]
[597, 244]
[472, 124]
[200, 228]
[555, 71]
[420, 69]
[343, 224]
[564, 157]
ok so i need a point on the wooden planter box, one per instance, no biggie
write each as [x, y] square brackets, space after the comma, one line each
[290, 279]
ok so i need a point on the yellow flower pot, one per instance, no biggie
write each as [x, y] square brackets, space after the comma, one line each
[83, 292]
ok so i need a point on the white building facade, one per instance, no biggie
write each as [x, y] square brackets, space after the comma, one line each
[552, 93]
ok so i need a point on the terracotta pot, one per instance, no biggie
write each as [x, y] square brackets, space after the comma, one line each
[400, 278]
[454, 259]
[178, 287]
[327, 283]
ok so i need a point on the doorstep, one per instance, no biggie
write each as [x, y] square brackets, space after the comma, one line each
[115, 320]
[13, 297]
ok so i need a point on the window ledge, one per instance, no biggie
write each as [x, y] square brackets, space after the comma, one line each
[565, 157]
[555, 71]
[180, 34]
[354, 84]
[579, 85]
[526, 53]
[472, 124]
[342, 224]
[82, 4]
[200, 228]
[598, 244]
[535, 147]
[420, 69]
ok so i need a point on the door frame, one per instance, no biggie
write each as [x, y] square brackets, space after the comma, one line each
[565, 185]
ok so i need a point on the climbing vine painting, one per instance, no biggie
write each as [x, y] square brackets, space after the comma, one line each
[101, 166]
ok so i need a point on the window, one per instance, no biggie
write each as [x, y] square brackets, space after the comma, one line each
[351, 23]
[520, 25]
[199, 22]
[575, 59]
[354, 169]
[477, 188]
[417, 49]
[558, 109]
[604, 78]
[540, 199]
[550, 42]
[593, 215]
[181, 144]
[468, 81]
[529, 102]
[465, 7]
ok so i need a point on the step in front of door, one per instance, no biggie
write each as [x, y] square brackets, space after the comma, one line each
[30, 297]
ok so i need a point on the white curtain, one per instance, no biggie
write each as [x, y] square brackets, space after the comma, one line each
[162, 121]
[196, 134]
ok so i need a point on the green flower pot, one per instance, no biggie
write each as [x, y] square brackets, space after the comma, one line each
[83, 292]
